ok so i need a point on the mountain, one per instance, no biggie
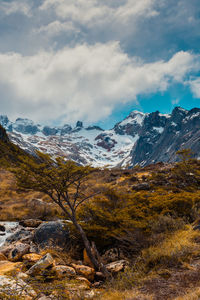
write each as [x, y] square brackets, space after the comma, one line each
[141, 138]
[9, 152]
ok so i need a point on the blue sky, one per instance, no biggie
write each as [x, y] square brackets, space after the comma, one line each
[97, 60]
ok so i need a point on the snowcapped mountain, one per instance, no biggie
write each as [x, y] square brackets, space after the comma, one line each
[138, 139]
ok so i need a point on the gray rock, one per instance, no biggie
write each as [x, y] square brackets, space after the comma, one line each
[116, 266]
[19, 288]
[52, 234]
[42, 264]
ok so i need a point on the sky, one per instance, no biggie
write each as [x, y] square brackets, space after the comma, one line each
[97, 60]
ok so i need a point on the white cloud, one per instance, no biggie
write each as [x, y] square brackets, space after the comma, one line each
[195, 87]
[85, 82]
[91, 13]
[20, 6]
[56, 27]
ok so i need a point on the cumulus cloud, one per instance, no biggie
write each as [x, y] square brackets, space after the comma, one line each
[20, 6]
[92, 13]
[86, 82]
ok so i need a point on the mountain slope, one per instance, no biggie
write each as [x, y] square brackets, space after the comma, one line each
[141, 138]
[9, 152]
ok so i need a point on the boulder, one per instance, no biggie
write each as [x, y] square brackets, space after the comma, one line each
[85, 271]
[7, 266]
[18, 251]
[64, 271]
[30, 223]
[52, 234]
[31, 257]
[116, 266]
[18, 288]
[45, 262]
[2, 257]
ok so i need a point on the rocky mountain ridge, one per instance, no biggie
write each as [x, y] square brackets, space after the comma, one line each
[141, 138]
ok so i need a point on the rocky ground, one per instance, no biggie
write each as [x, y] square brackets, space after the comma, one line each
[32, 268]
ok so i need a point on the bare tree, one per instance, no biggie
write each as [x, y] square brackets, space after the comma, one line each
[64, 182]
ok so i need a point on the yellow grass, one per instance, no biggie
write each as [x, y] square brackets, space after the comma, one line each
[177, 247]
[190, 295]
[125, 295]
[15, 205]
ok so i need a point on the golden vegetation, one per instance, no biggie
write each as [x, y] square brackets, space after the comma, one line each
[147, 214]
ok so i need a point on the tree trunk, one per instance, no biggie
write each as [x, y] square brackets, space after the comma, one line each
[97, 265]
[87, 244]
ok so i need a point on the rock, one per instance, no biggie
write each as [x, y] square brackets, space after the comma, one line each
[6, 249]
[32, 257]
[45, 262]
[19, 235]
[116, 266]
[111, 255]
[85, 271]
[17, 287]
[52, 234]
[84, 280]
[2, 228]
[18, 251]
[30, 223]
[64, 271]
[45, 298]
[2, 257]
[93, 294]
[7, 266]
[22, 276]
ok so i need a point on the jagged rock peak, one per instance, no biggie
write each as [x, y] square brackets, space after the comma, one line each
[4, 120]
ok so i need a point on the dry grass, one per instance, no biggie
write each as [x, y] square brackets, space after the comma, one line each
[16, 205]
[125, 295]
[175, 249]
[190, 295]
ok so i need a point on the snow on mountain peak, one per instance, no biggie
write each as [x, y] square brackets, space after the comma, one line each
[132, 141]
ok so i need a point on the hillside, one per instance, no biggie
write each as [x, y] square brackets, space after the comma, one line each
[145, 216]
[145, 224]
[139, 139]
